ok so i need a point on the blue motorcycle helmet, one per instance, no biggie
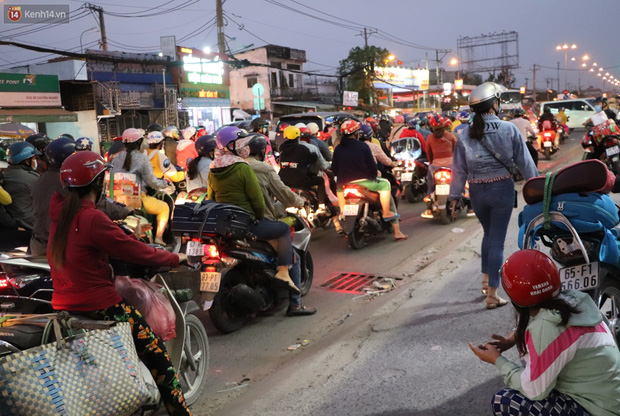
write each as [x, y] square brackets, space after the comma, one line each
[83, 143]
[367, 132]
[58, 150]
[20, 151]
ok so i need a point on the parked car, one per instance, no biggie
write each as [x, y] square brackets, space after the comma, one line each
[578, 110]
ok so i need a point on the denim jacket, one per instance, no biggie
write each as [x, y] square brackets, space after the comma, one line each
[472, 161]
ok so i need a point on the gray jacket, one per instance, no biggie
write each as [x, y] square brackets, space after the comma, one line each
[273, 188]
[42, 192]
[141, 167]
[472, 161]
[19, 180]
[321, 164]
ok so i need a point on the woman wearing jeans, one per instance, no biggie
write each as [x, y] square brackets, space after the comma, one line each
[486, 151]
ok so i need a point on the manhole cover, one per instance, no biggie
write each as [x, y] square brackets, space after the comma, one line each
[351, 282]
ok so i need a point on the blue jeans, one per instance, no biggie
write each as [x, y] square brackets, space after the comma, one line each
[279, 231]
[294, 299]
[493, 204]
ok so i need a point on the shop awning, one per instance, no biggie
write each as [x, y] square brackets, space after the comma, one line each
[36, 115]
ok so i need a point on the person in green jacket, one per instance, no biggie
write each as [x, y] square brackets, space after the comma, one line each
[232, 181]
[572, 361]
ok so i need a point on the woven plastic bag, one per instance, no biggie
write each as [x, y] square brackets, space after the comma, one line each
[147, 298]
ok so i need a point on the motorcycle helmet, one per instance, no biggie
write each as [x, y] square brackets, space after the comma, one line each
[464, 116]
[300, 125]
[188, 133]
[20, 151]
[58, 150]
[228, 135]
[66, 135]
[437, 122]
[340, 119]
[350, 127]
[172, 132]
[374, 126]
[83, 143]
[154, 127]
[304, 131]
[258, 123]
[530, 277]
[291, 133]
[39, 141]
[81, 169]
[154, 137]
[367, 132]
[314, 128]
[282, 126]
[484, 96]
[399, 119]
[413, 122]
[132, 135]
[329, 121]
[258, 146]
[205, 145]
[519, 112]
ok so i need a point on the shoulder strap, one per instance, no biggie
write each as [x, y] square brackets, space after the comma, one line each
[495, 156]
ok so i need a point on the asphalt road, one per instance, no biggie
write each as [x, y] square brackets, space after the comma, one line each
[400, 353]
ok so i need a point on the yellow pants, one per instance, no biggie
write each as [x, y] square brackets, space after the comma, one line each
[156, 206]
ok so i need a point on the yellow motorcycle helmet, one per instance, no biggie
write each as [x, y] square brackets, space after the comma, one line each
[291, 133]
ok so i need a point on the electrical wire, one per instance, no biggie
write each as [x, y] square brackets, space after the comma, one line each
[355, 28]
[242, 27]
[31, 30]
[159, 13]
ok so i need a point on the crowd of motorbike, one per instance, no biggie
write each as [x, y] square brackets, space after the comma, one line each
[233, 272]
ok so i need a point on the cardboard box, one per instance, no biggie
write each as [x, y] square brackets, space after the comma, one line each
[124, 189]
[599, 118]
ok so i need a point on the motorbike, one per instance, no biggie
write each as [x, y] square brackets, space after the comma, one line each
[439, 198]
[28, 291]
[362, 215]
[607, 149]
[310, 211]
[238, 270]
[412, 168]
[546, 138]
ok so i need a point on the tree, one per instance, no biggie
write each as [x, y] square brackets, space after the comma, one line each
[359, 66]
[505, 78]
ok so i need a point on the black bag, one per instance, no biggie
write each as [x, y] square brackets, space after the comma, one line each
[210, 217]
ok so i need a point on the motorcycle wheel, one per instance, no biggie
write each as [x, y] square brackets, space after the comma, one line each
[547, 153]
[193, 381]
[413, 195]
[222, 313]
[615, 167]
[609, 304]
[356, 239]
[307, 272]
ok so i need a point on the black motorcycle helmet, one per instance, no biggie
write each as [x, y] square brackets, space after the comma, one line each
[39, 141]
[154, 127]
[258, 123]
[58, 150]
[205, 145]
[258, 146]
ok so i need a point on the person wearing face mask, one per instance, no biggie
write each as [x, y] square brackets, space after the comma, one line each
[231, 180]
[19, 180]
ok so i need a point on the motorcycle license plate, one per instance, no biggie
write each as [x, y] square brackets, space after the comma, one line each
[210, 281]
[351, 209]
[581, 277]
[194, 248]
[442, 189]
[406, 177]
[613, 150]
[547, 144]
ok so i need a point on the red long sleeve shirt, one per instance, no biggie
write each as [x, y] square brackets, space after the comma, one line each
[85, 284]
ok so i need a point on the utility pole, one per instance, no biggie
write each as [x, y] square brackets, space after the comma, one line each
[444, 52]
[534, 68]
[221, 41]
[366, 34]
[99, 10]
[558, 78]
[526, 80]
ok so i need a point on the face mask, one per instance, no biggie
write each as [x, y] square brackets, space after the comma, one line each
[417, 127]
[34, 164]
[243, 152]
[598, 108]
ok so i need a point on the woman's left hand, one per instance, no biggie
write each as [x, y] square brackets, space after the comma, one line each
[487, 352]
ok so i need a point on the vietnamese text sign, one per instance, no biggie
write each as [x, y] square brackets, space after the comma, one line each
[350, 98]
[389, 77]
[36, 13]
[29, 90]
[30, 99]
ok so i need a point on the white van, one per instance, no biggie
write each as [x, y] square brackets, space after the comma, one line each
[578, 110]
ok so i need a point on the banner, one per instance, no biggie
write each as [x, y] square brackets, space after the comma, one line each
[396, 77]
[29, 90]
[350, 98]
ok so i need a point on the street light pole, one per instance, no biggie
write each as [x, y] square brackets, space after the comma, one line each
[87, 30]
[565, 48]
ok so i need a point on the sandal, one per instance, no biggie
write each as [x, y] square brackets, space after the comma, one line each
[495, 302]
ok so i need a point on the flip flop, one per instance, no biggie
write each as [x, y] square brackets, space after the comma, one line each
[395, 217]
[401, 238]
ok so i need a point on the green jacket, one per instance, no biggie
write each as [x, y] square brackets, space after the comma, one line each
[237, 185]
[580, 359]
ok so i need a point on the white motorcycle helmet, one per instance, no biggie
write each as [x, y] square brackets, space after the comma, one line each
[484, 96]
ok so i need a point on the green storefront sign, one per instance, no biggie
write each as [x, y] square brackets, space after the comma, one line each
[28, 83]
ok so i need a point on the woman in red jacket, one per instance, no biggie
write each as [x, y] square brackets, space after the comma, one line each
[81, 239]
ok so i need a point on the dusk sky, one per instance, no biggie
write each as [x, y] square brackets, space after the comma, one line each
[327, 29]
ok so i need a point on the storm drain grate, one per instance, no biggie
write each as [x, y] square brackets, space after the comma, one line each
[351, 282]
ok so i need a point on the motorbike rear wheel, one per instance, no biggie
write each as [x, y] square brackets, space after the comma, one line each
[609, 303]
[307, 272]
[356, 238]
[193, 380]
[222, 312]
[413, 195]
[547, 153]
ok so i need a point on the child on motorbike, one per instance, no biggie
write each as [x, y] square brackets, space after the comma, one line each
[570, 361]
[81, 240]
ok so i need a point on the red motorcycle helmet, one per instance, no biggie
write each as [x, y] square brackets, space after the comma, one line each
[530, 277]
[437, 122]
[81, 169]
[350, 127]
[305, 132]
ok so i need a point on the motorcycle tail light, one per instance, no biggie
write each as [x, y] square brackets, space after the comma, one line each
[352, 193]
[229, 261]
[4, 282]
[211, 251]
[443, 176]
